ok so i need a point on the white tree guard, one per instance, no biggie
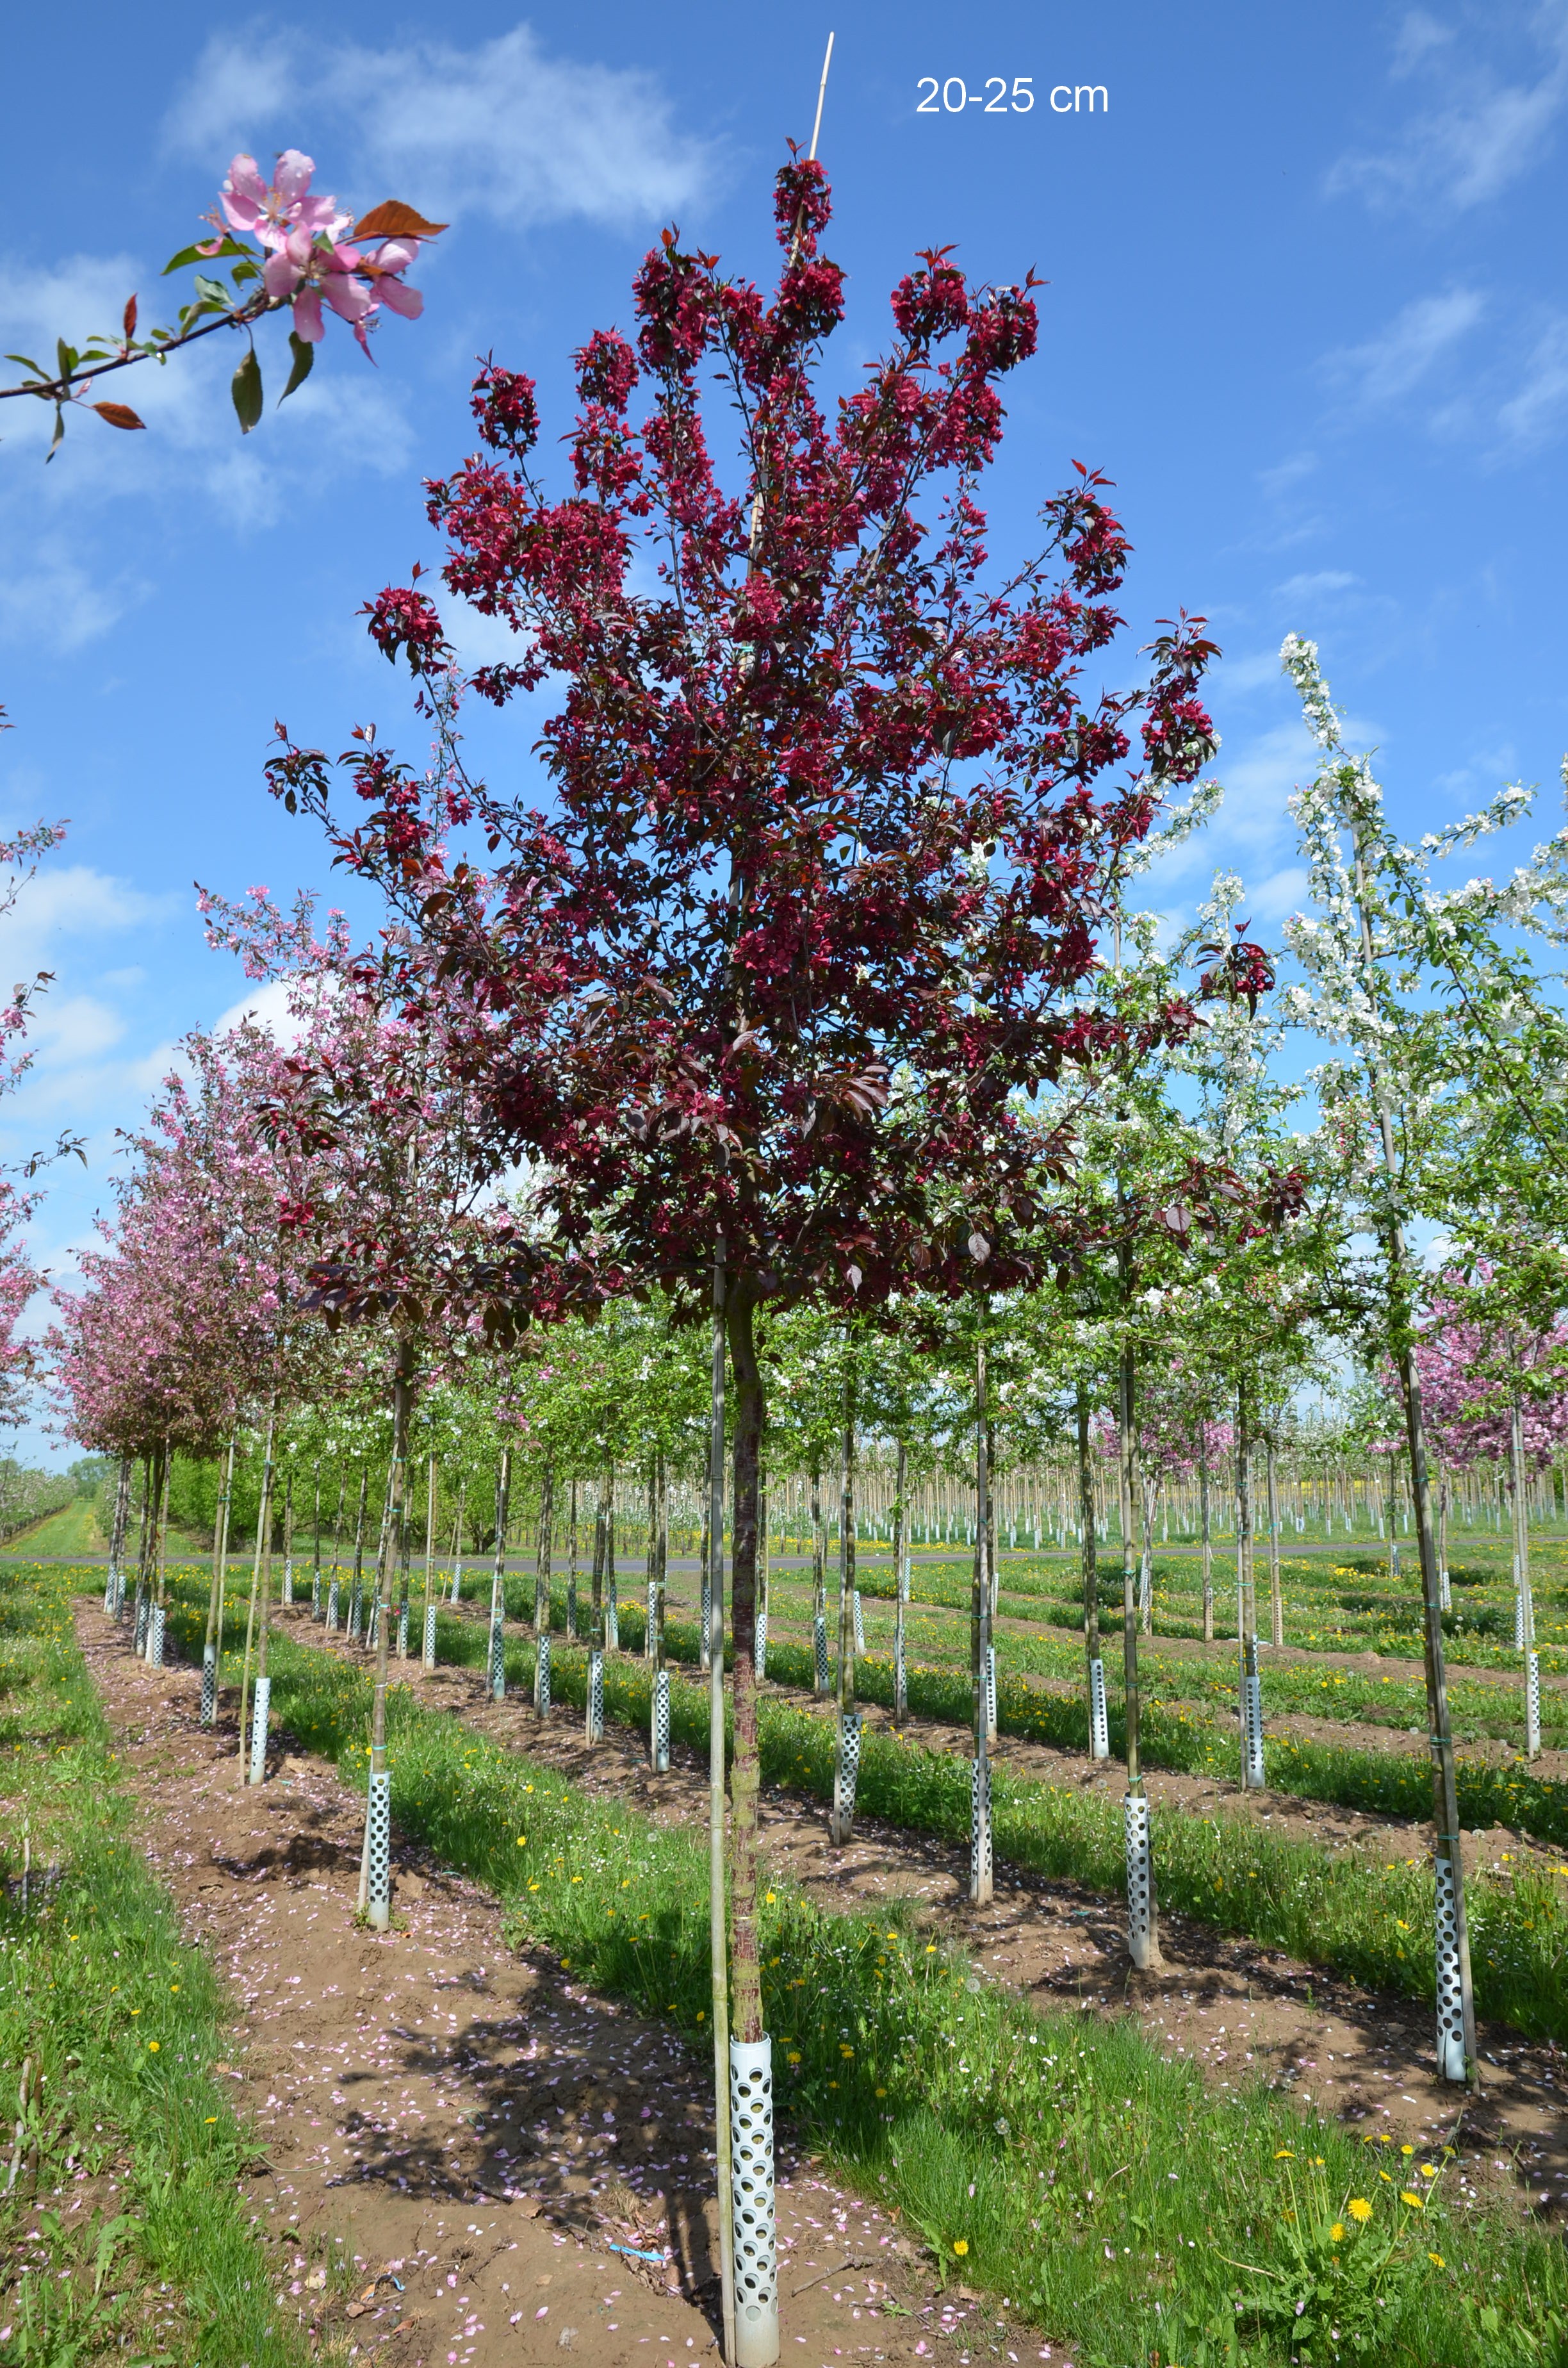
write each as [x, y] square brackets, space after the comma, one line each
[378, 1854]
[288, 1596]
[1532, 1705]
[429, 1652]
[155, 1622]
[706, 1620]
[120, 1594]
[982, 1871]
[111, 1578]
[1518, 1617]
[660, 1712]
[356, 1611]
[1450, 1992]
[457, 1582]
[860, 1625]
[374, 1629]
[759, 1648]
[315, 1595]
[1444, 1591]
[260, 1711]
[647, 1621]
[612, 1621]
[1099, 1725]
[333, 1607]
[1140, 1883]
[142, 1608]
[900, 1677]
[991, 1694]
[541, 1675]
[751, 2145]
[594, 1722]
[208, 1684]
[403, 1631]
[1254, 1777]
[845, 1775]
[497, 1671]
[819, 1651]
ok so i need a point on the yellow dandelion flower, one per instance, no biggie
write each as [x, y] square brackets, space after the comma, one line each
[1337, 2234]
[1417, 2202]
[1436, 2261]
[961, 2246]
[1358, 2208]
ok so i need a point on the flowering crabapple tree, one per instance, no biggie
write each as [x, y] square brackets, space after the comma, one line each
[831, 819]
[373, 1137]
[286, 250]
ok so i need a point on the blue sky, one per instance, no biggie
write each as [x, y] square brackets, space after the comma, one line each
[1306, 306]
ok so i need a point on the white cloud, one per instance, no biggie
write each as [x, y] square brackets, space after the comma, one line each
[50, 601]
[1390, 365]
[1480, 131]
[267, 1004]
[1321, 586]
[72, 901]
[501, 128]
[1536, 412]
[74, 1028]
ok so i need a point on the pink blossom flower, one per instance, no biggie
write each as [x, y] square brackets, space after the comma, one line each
[271, 210]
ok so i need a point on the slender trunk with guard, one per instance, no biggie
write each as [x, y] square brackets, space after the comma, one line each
[1276, 1590]
[846, 1738]
[901, 1586]
[1208, 1533]
[377, 1877]
[718, 1927]
[212, 1645]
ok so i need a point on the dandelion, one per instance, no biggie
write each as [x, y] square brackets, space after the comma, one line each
[961, 2246]
[1358, 2208]
[153, 2046]
[1337, 2234]
[1436, 2261]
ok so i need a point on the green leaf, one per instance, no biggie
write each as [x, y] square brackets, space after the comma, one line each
[245, 388]
[59, 431]
[26, 362]
[196, 254]
[211, 291]
[68, 356]
[304, 355]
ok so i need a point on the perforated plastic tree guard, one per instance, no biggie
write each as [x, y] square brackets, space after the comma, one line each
[661, 1717]
[1450, 1991]
[594, 1720]
[1140, 1881]
[261, 1708]
[378, 1815]
[980, 1865]
[429, 1652]
[1099, 1725]
[751, 2142]
[208, 1684]
[819, 1651]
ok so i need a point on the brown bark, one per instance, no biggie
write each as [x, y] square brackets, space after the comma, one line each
[745, 1979]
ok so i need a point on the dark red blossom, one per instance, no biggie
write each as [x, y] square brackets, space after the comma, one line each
[504, 404]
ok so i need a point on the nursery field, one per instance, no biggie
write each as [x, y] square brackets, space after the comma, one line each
[1158, 2191]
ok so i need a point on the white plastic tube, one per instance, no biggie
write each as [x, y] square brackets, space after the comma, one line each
[755, 2254]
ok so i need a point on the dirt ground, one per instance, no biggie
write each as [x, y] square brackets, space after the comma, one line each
[1238, 2010]
[471, 2129]
[477, 2133]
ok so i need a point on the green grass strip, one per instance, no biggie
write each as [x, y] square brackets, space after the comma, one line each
[1368, 1919]
[1057, 2160]
[125, 2022]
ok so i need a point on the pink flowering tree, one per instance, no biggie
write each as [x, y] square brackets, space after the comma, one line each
[286, 249]
[1475, 1365]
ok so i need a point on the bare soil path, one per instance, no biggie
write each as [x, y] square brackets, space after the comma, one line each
[1239, 2010]
[470, 2128]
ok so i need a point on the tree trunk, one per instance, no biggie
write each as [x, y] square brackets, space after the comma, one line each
[543, 1568]
[745, 1986]
[377, 1880]
[496, 1665]
[261, 1571]
[357, 1592]
[1208, 1533]
[1143, 1922]
[718, 1928]
[819, 1589]
[981, 1857]
[1276, 1592]
[846, 1751]
[596, 1584]
[1094, 1659]
[212, 1646]
[901, 1583]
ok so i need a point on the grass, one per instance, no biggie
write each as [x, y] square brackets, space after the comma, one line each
[129, 2239]
[1367, 1919]
[1060, 2162]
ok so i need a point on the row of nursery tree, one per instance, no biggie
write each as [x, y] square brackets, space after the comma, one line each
[785, 1074]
